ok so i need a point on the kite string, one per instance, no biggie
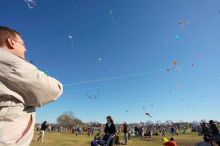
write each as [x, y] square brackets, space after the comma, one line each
[113, 78]
[93, 21]
[106, 86]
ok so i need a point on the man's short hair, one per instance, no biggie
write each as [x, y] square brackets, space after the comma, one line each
[5, 33]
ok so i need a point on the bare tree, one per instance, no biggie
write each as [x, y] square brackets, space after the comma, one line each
[67, 119]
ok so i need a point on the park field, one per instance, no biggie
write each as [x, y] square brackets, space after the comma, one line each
[56, 139]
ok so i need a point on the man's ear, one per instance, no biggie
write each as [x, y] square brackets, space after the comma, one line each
[10, 43]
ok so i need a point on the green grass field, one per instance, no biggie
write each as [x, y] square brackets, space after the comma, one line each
[55, 139]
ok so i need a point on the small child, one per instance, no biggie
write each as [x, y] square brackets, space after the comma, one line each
[97, 137]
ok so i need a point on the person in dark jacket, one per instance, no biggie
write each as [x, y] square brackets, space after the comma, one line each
[205, 130]
[213, 128]
[110, 130]
[125, 131]
[42, 130]
[214, 132]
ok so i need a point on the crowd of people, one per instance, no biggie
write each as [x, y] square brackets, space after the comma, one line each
[210, 133]
[107, 135]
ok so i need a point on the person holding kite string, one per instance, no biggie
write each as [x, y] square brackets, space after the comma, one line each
[22, 88]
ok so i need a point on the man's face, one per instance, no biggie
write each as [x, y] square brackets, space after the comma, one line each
[19, 47]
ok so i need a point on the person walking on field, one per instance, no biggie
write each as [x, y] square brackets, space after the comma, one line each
[125, 131]
[42, 131]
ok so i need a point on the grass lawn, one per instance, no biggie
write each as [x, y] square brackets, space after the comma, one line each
[56, 139]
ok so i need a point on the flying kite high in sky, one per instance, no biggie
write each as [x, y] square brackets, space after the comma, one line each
[175, 65]
[91, 97]
[71, 40]
[148, 114]
[174, 62]
[100, 59]
[113, 19]
[31, 3]
[182, 23]
[167, 69]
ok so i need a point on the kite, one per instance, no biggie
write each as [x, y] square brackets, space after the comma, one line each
[164, 140]
[180, 22]
[95, 95]
[187, 22]
[71, 40]
[91, 97]
[167, 69]
[175, 65]
[113, 19]
[143, 107]
[148, 114]
[174, 62]
[31, 3]
[100, 59]
[177, 36]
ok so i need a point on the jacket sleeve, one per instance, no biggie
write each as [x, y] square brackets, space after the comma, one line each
[105, 130]
[114, 129]
[33, 85]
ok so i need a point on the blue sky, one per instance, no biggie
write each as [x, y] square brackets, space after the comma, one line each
[131, 49]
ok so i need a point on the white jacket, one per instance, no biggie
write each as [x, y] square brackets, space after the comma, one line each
[22, 88]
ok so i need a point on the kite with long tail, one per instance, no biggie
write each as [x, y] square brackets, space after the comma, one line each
[31, 3]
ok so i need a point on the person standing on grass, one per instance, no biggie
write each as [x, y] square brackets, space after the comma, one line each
[42, 131]
[125, 131]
